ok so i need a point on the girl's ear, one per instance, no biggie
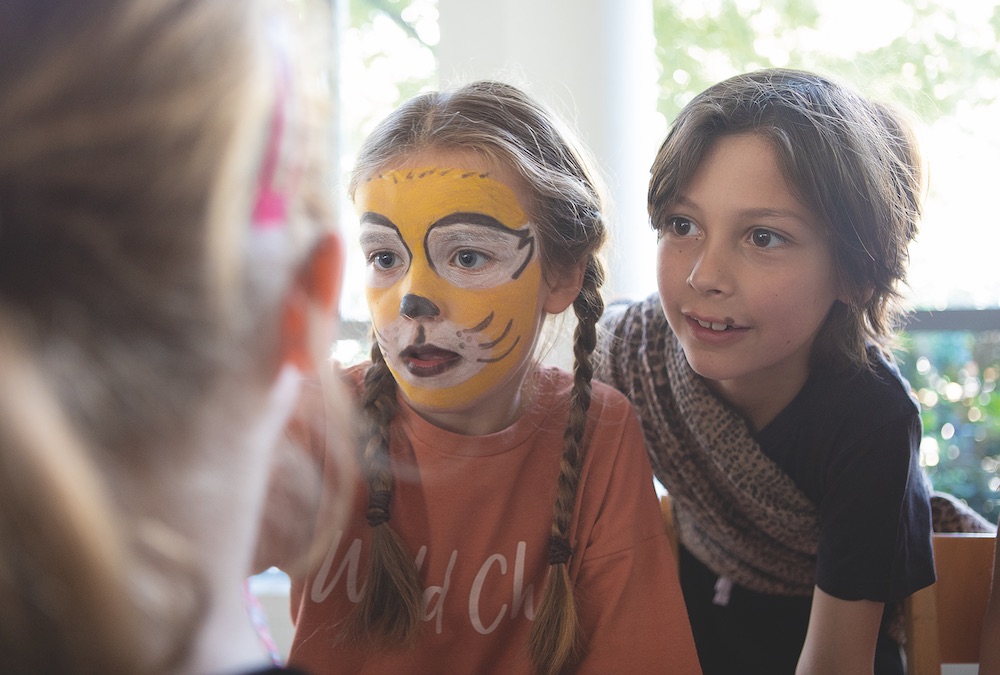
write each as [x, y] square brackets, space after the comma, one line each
[563, 291]
[309, 315]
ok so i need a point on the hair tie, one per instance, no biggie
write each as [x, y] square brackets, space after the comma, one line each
[559, 550]
[378, 507]
[275, 182]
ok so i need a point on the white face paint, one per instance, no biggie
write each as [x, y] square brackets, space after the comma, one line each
[453, 283]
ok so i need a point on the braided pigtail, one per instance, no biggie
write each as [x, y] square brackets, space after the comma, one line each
[388, 613]
[554, 639]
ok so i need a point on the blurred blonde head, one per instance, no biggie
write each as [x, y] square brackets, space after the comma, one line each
[142, 301]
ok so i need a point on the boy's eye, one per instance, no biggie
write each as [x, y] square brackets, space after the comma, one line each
[765, 238]
[470, 260]
[681, 227]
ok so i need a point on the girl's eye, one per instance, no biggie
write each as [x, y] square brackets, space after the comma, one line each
[766, 238]
[470, 260]
[384, 260]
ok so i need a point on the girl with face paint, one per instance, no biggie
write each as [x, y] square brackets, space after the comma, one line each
[455, 287]
[507, 521]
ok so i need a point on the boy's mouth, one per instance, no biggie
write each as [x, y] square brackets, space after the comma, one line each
[717, 326]
[428, 360]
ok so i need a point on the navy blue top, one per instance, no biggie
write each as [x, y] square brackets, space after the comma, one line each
[851, 445]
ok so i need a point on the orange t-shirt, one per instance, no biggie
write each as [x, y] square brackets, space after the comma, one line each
[475, 512]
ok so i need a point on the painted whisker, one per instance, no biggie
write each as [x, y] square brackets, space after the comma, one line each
[502, 356]
[479, 327]
[494, 343]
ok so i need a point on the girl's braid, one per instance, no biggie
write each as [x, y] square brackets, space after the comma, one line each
[388, 613]
[555, 632]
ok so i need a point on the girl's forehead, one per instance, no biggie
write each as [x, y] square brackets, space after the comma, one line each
[454, 158]
[468, 160]
[415, 196]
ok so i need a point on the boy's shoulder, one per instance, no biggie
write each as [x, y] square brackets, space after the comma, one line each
[876, 393]
[645, 314]
[627, 330]
[885, 381]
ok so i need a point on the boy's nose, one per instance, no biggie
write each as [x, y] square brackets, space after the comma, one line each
[417, 307]
[709, 273]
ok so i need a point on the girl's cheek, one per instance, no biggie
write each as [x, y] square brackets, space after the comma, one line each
[383, 303]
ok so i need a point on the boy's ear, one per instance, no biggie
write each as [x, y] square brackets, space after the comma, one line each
[563, 291]
[864, 295]
[309, 315]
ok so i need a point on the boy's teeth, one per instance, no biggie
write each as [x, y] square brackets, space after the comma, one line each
[709, 324]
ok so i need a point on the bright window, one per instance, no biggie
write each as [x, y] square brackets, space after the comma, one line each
[937, 58]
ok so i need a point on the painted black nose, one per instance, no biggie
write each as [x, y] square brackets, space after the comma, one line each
[417, 307]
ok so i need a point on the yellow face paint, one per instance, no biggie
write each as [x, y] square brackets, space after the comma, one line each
[453, 281]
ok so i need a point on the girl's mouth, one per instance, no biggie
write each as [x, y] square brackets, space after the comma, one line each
[428, 360]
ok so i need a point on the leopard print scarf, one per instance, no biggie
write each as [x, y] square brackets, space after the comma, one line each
[735, 509]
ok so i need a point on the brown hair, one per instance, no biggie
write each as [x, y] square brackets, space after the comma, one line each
[511, 130]
[853, 162]
[132, 301]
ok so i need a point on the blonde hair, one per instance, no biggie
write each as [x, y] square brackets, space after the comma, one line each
[511, 130]
[132, 294]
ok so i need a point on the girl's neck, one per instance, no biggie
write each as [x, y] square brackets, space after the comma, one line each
[488, 415]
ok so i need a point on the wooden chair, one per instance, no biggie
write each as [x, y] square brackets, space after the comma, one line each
[944, 621]
[668, 522]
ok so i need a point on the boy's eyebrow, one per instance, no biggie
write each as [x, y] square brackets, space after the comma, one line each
[751, 213]
[679, 200]
[765, 212]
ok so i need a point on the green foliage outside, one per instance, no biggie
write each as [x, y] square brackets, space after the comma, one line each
[407, 16]
[954, 375]
[929, 62]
